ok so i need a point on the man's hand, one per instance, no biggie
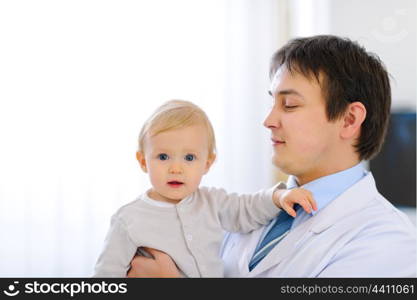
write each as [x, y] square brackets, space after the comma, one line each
[160, 266]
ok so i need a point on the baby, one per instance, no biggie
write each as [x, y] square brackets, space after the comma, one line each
[176, 216]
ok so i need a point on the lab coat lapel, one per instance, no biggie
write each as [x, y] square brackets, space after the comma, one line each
[284, 248]
[249, 241]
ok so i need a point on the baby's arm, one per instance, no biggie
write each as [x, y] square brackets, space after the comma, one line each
[119, 249]
[241, 212]
[247, 212]
[286, 199]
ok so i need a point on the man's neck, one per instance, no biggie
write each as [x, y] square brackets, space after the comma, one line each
[311, 176]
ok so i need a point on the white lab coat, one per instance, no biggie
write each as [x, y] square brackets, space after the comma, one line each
[359, 234]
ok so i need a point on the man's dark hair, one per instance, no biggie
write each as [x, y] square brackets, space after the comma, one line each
[349, 73]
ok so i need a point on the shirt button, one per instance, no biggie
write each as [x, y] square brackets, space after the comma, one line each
[189, 237]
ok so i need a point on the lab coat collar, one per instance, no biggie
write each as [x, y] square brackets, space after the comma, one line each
[347, 203]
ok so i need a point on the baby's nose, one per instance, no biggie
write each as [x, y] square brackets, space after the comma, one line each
[175, 168]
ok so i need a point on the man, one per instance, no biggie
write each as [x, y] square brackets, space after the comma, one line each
[331, 105]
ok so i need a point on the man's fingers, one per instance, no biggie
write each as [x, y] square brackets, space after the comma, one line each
[137, 260]
[162, 258]
[155, 253]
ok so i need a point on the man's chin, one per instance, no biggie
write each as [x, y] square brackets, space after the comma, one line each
[283, 166]
[279, 163]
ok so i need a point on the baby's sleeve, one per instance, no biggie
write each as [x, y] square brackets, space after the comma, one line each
[117, 253]
[245, 212]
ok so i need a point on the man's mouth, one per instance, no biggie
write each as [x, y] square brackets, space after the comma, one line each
[175, 183]
[277, 142]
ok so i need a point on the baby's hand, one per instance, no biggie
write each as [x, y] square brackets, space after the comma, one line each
[286, 199]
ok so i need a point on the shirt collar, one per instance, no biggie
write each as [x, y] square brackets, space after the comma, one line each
[327, 188]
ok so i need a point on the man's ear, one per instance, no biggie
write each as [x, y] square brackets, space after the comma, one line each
[210, 160]
[352, 120]
[140, 156]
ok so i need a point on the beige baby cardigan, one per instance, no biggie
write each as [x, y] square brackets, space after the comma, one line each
[190, 232]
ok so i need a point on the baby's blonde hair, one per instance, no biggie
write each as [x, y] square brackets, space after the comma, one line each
[176, 114]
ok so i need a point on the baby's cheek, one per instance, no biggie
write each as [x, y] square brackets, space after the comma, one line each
[195, 181]
[155, 178]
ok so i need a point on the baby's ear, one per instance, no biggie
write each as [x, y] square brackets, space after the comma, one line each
[210, 160]
[140, 156]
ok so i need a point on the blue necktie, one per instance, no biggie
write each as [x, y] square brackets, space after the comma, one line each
[277, 232]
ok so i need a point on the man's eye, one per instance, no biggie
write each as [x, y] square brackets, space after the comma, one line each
[290, 106]
[190, 157]
[162, 156]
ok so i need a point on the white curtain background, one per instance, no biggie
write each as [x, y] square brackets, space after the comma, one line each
[78, 79]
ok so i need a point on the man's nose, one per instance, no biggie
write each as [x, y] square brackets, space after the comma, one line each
[175, 167]
[273, 119]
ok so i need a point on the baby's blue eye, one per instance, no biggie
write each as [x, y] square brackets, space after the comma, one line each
[190, 157]
[162, 156]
